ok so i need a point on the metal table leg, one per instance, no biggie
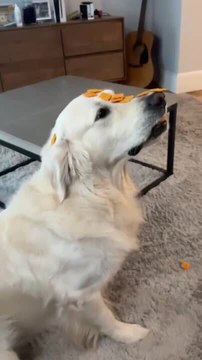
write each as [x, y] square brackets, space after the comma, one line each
[171, 140]
[165, 173]
[2, 205]
[11, 169]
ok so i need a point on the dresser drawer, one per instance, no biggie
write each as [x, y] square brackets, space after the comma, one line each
[30, 44]
[30, 55]
[88, 38]
[108, 66]
[29, 72]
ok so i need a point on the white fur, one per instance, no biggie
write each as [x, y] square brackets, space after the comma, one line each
[70, 226]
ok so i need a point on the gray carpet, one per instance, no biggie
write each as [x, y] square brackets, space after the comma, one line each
[152, 289]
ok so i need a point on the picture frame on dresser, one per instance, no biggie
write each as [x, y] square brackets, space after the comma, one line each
[7, 17]
[43, 10]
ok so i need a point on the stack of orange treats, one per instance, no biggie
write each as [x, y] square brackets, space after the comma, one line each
[119, 98]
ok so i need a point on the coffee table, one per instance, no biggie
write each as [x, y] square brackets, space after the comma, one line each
[27, 115]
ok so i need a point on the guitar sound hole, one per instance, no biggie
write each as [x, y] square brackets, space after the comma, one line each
[141, 54]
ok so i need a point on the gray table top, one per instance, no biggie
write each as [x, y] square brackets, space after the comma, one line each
[27, 114]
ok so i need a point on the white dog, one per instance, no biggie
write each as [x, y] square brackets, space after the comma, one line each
[71, 225]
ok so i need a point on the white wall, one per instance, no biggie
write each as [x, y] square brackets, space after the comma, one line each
[166, 25]
[130, 10]
[191, 36]
[72, 5]
[163, 17]
[178, 24]
[190, 52]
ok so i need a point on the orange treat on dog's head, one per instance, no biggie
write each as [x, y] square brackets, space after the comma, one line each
[89, 94]
[117, 98]
[105, 96]
[53, 139]
[127, 98]
[94, 91]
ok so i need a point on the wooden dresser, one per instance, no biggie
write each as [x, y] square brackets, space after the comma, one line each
[93, 49]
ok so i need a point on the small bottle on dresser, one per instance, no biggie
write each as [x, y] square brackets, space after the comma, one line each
[18, 16]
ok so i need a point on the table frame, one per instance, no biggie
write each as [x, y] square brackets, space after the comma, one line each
[165, 173]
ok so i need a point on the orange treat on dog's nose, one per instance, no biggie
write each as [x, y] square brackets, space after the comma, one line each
[157, 90]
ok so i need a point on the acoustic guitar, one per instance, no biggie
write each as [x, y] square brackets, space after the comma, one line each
[139, 44]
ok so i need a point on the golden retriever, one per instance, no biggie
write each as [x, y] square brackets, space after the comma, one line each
[70, 226]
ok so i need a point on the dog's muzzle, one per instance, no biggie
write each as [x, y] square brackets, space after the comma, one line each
[155, 103]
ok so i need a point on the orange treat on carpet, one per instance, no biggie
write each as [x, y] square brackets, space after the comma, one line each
[185, 265]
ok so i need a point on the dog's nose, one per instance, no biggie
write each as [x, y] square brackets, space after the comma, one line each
[156, 99]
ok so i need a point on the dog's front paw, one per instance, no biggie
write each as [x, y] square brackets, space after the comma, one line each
[129, 333]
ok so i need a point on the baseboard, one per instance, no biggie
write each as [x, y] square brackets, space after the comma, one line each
[189, 81]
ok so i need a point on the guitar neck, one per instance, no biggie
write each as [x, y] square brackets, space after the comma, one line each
[141, 21]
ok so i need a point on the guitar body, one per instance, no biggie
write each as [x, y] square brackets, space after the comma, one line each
[140, 69]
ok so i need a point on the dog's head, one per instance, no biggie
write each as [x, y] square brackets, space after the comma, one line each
[94, 130]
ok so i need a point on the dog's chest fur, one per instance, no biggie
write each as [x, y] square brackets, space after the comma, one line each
[73, 249]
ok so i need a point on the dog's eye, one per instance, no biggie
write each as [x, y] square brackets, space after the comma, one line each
[102, 113]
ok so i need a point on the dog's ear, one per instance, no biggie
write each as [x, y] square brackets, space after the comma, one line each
[66, 162]
[62, 171]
